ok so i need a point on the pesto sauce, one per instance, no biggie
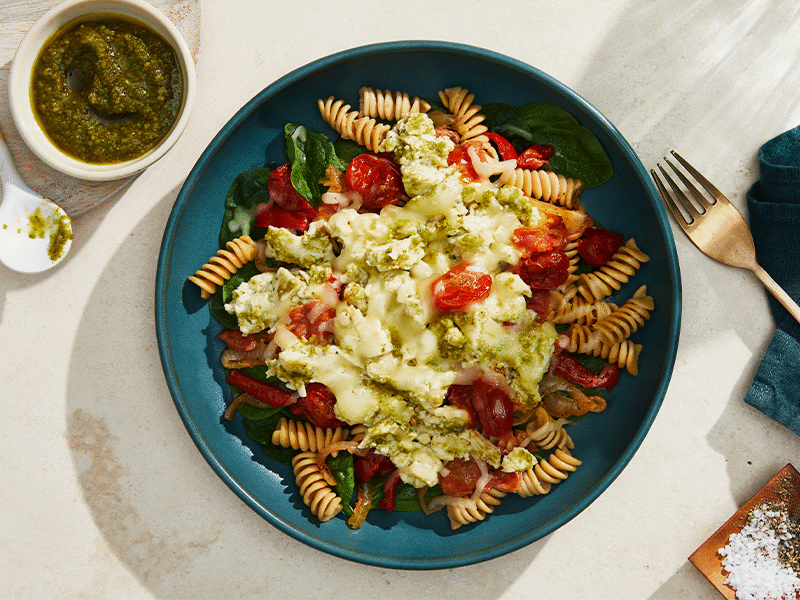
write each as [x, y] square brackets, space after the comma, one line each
[107, 90]
[59, 227]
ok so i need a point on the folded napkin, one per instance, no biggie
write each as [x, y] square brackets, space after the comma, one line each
[774, 207]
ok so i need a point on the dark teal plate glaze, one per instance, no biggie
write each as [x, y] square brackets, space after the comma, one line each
[187, 334]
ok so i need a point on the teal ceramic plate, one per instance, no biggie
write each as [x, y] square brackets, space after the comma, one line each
[187, 334]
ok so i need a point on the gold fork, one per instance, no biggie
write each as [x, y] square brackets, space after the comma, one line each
[715, 226]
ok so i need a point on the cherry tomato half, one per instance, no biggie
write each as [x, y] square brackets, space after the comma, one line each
[541, 239]
[372, 465]
[597, 246]
[494, 408]
[317, 406]
[281, 191]
[376, 178]
[461, 286]
[270, 214]
[462, 474]
[544, 271]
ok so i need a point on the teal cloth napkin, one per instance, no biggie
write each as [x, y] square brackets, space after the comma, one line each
[774, 207]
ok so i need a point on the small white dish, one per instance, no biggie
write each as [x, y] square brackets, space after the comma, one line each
[74, 11]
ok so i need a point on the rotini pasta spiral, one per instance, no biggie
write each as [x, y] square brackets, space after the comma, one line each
[547, 186]
[365, 131]
[337, 114]
[610, 277]
[316, 493]
[384, 105]
[469, 120]
[571, 250]
[581, 311]
[469, 513]
[547, 433]
[625, 320]
[225, 263]
[545, 473]
[585, 340]
[304, 436]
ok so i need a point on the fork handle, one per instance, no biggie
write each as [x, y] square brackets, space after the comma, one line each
[777, 291]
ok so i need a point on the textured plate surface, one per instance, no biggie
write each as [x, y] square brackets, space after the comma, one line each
[190, 349]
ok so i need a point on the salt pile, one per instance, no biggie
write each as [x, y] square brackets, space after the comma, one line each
[759, 558]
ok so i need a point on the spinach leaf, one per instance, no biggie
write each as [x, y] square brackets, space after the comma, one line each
[260, 423]
[341, 467]
[247, 191]
[224, 294]
[577, 152]
[347, 150]
[405, 496]
[310, 154]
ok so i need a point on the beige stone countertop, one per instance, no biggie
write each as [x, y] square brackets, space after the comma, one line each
[105, 496]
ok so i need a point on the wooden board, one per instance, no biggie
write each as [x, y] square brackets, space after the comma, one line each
[784, 486]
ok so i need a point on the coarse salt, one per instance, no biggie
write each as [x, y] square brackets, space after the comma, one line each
[752, 558]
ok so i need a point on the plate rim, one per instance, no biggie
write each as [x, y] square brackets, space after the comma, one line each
[180, 205]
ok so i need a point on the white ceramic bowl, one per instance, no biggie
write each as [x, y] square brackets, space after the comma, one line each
[22, 68]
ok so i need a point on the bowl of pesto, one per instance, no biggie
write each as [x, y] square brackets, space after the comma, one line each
[101, 90]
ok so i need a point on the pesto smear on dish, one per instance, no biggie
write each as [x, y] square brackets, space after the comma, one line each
[107, 90]
[56, 225]
[394, 355]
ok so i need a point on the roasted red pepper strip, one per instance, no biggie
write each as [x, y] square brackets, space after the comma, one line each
[534, 157]
[569, 368]
[259, 390]
[389, 488]
[504, 147]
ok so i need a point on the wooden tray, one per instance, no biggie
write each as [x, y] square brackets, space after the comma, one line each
[784, 486]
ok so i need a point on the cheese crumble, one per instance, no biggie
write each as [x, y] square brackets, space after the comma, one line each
[393, 355]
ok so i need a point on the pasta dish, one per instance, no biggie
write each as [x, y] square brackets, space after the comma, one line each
[417, 307]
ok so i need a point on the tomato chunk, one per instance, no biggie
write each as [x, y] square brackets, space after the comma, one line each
[461, 476]
[310, 320]
[376, 178]
[234, 338]
[541, 239]
[460, 158]
[317, 406]
[372, 465]
[461, 286]
[597, 246]
[545, 270]
[459, 396]
[494, 408]
[281, 191]
[274, 215]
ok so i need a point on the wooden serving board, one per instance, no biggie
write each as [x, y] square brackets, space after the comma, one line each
[784, 486]
[75, 196]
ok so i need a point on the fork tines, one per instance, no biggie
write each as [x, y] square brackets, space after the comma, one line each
[691, 211]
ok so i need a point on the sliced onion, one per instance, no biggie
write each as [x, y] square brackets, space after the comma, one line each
[483, 480]
[363, 504]
[444, 500]
[328, 296]
[468, 375]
